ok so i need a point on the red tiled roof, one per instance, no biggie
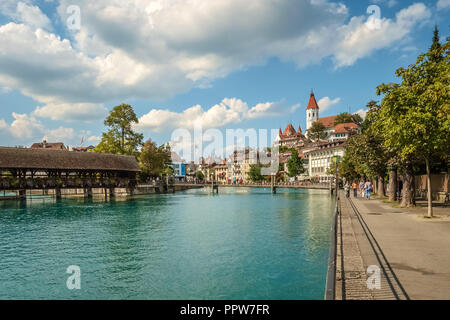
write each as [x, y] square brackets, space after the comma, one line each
[328, 122]
[312, 104]
[345, 127]
[289, 131]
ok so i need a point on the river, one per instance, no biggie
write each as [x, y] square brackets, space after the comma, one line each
[244, 243]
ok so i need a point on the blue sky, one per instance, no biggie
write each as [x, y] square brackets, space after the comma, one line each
[228, 63]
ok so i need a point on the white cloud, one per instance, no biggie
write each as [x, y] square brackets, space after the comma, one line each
[60, 134]
[32, 16]
[443, 4]
[27, 129]
[94, 139]
[4, 90]
[362, 113]
[71, 111]
[326, 103]
[3, 124]
[389, 3]
[360, 39]
[226, 112]
[175, 45]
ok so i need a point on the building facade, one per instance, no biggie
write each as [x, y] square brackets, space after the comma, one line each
[320, 158]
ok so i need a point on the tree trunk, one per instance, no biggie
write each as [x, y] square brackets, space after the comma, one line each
[430, 200]
[392, 184]
[408, 187]
[380, 187]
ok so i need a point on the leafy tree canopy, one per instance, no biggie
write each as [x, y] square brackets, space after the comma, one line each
[295, 164]
[120, 138]
[154, 160]
[317, 131]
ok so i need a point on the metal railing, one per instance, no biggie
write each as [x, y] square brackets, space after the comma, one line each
[330, 287]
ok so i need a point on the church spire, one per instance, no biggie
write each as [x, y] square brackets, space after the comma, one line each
[312, 104]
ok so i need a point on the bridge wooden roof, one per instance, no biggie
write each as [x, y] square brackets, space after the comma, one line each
[24, 158]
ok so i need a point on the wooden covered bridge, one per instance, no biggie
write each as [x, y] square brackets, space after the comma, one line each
[24, 169]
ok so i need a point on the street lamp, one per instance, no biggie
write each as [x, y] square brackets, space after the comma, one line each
[336, 161]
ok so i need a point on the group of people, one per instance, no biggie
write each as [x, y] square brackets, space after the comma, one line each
[364, 187]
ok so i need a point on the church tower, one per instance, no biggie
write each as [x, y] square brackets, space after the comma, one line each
[312, 111]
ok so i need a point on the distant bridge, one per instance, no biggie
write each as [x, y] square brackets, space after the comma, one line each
[24, 169]
[273, 186]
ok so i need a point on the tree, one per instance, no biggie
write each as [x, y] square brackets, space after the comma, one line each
[254, 173]
[295, 164]
[200, 176]
[367, 155]
[343, 118]
[153, 160]
[416, 113]
[357, 119]
[120, 138]
[346, 169]
[317, 131]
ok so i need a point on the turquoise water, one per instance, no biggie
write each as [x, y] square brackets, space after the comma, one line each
[240, 244]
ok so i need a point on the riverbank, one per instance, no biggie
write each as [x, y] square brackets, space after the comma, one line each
[409, 250]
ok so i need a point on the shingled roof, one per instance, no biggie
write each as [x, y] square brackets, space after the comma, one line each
[312, 103]
[328, 122]
[41, 159]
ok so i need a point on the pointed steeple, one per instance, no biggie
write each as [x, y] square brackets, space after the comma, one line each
[280, 133]
[312, 104]
[299, 129]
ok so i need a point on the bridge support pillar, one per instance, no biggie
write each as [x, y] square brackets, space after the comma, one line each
[58, 193]
[22, 193]
[215, 188]
[88, 192]
[273, 188]
[130, 191]
[112, 192]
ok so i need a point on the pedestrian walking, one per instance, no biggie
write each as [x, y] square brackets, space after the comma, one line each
[347, 189]
[355, 189]
[368, 189]
[362, 188]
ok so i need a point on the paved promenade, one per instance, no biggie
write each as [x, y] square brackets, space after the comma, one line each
[412, 252]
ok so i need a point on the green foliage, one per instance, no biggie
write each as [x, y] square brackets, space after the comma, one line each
[357, 119]
[167, 171]
[120, 138]
[200, 176]
[317, 131]
[254, 173]
[295, 164]
[283, 149]
[343, 118]
[346, 169]
[153, 160]
[415, 115]
[365, 156]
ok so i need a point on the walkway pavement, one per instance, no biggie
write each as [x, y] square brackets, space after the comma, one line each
[413, 253]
